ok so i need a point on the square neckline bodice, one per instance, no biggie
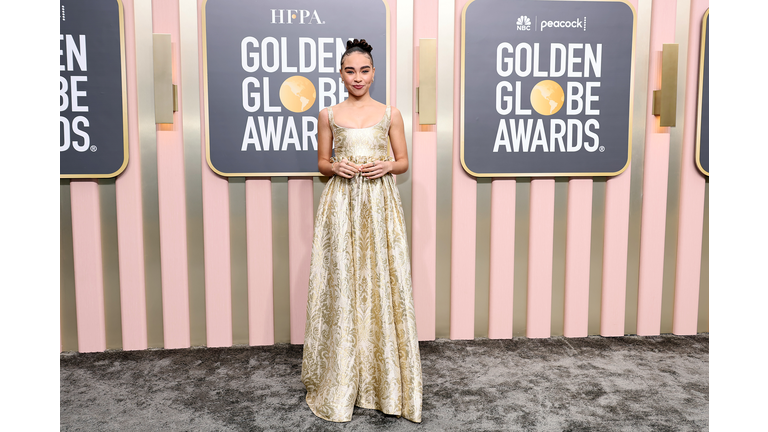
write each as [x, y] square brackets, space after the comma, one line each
[383, 117]
[361, 145]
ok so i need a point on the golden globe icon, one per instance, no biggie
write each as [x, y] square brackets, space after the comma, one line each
[297, 94]
[547, 97]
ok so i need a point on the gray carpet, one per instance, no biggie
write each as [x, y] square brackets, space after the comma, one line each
[559, 384]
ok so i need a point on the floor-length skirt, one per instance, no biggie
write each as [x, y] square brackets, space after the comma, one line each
[361, 346]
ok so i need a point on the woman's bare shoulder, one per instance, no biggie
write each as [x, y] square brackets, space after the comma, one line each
[323, 117]
[395, 114]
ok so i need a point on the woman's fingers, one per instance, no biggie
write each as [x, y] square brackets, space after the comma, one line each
[375, 170]
[370, 170]
[350, 170]
[354, 168]
[343, 169]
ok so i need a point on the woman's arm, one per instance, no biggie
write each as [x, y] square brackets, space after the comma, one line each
[399, 149]
[343, 168]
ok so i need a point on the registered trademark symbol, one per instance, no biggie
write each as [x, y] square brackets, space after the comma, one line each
[93, 148]
[602, 149]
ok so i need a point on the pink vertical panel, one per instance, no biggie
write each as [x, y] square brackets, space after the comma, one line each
[692, 183]
[655, 174]
[652, 234]
[424, 231]
[218, 277]
[615, 246]
[300, 230]
[502, 268]
[615, 243]
[424, 27]
[392, 52]
[577, 258]
[258, 213]
[130, 227]
[89, 277]
[172, 198]
[463, 211]
[424, 188]
[540, 250]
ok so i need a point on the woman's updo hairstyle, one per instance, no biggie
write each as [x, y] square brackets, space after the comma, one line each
[357, 46]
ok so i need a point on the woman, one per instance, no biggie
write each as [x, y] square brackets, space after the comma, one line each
[360, 344]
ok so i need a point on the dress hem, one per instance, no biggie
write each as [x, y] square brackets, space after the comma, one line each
[360, 406]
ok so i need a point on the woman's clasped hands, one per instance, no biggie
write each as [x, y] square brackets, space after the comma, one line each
[371, 170]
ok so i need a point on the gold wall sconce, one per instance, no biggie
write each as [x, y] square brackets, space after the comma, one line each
[165, 90]
[665, 99]
[426, 92]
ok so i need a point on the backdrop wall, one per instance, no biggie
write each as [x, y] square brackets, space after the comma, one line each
[170, 254]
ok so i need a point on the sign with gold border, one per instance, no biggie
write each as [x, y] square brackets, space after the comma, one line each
[93, 106]
[270, 67]
[546, 87]
[702, 121]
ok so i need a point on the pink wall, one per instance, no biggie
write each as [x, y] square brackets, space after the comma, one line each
[172, 197]
[261, 266]
[89, 278]
[218, 276]
[656, 169]
[502, 269]
[133, 306]
[578, 242]
[300, 230]
[424, 187]
[540, 249]
[261, 324]
[463, 212]
[692, 184]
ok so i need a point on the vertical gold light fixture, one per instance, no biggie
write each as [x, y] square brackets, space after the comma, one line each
[665, 99]
[427, 89]
[165, 91]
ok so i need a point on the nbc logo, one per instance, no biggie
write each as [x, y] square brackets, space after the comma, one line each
[523, 23]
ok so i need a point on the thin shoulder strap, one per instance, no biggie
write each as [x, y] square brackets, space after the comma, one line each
[330, 115]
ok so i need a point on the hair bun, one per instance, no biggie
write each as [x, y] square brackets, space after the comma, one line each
[361, 43]
[357, 45]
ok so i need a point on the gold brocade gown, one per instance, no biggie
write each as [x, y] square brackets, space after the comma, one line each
[360, 342]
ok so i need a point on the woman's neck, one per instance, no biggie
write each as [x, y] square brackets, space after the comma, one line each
[357, 102]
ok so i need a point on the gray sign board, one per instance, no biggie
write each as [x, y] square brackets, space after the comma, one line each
[270, 67]
[93, 139]
[546, 87]
[702, 137]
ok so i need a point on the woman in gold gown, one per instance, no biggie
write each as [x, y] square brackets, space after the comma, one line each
[360, 343]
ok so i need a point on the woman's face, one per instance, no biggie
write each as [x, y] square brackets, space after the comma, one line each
[357, 73]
